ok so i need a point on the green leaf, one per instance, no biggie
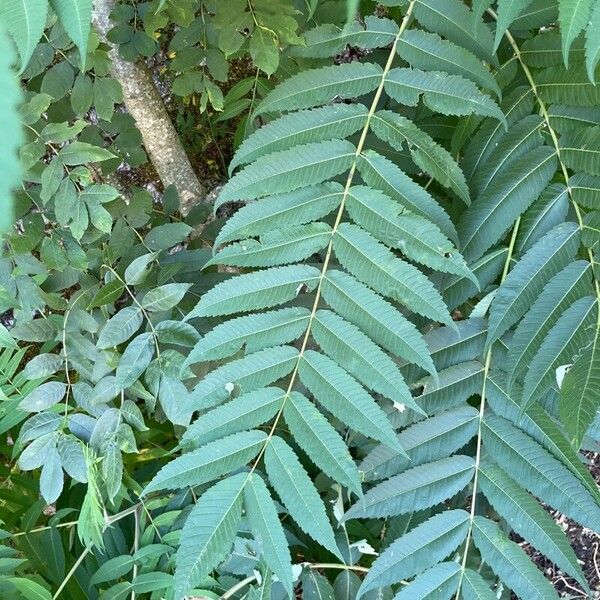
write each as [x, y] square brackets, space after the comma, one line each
[264, 50]
[508, 11]
[538, 471]
[457, 290]
[139, 268]
[135, 359]
[76, 17]
[315, 87]
[439, 582]
[592, 41]
[415, 489]
[447, 94]
[427, 154]
[521, 138]
[492, 213]
[567, 286]
[474, 587]
[573, 16]
[175, 400]
[453, 20]
[298, 493]
[347, 344]
[417, 550]
[516, 105]
[277, 247]
[423, 442]
[120, 327]
[43, 397]
[321, 441]
[112, 469]
[79, 153]
[275, 212]
[585, 190]
[580, 149]
[527, 517]
[245, 412]
[51, 478]
[167, 235]
[572, 331]
[528, 277]
[25, 21]
[165, 296]
[150, 582]
[375, 265]
[548, 211]
[212, 460]
[580, 392]
[253, 332]
[107, 294]
[545, 50]
[329, 122]
[452, 388]
[10, 168]
[316, 586]
[537, 423]
[113, 568]
[287, 170]
[30, 589]
[43, 365]
[328, 40]
[208, 533]
[429, 51]
[510, 562]
[561, 86]
[252, 291]
[382, 174]
[417, 238]
[244, 375]
[267, 530]
[344, 397]
[382, 322]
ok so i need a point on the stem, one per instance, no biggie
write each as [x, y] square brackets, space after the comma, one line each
[338, 219]
[544, 113]
[71, 572]
[237, 587]
[486, 370]
[141, 308]
[357, 568]
[136, 545]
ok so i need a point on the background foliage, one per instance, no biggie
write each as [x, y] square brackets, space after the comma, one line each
[370, 371]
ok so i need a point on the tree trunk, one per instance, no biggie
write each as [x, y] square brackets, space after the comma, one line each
[144, 104]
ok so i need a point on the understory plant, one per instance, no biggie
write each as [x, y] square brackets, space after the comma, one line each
[372, 372]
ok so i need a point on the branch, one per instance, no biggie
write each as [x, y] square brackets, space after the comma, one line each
[144, 104]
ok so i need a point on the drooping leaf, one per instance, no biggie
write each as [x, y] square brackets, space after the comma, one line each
[267, 529]
[420, 548]
[447, 94]
[572, 330]
[344, 397]
[208, 533]
[298, 493]
[320, 441]
[527, 278]
[580, 392]
[527, 517]
[318, 86]
[208, 462]
[510, 562]
[415, 489]
[252, 291]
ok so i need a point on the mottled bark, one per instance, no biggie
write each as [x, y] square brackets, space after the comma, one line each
[144, 104]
